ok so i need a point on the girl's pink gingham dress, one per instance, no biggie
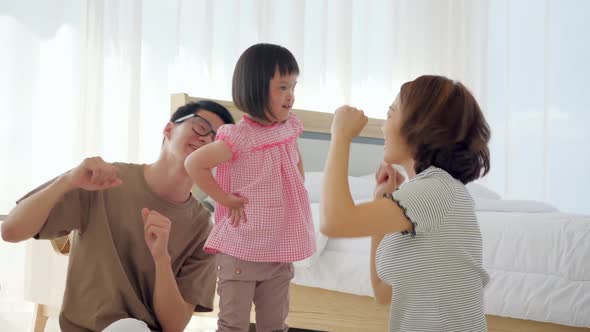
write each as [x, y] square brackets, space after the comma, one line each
[279, 227]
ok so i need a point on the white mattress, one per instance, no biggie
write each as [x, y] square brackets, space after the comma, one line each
[539, 264]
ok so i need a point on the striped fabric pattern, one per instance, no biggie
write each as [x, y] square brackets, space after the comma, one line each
[436, 272]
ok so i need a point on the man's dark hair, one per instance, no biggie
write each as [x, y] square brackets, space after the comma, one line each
[203, 105]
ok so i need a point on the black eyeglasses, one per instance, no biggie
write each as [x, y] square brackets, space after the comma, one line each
[199, 125]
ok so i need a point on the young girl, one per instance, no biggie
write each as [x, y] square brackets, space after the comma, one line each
[426, 257]
[262, 218]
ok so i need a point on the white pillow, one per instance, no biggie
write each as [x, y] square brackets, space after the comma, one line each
[370, 178]
[481, 191]
[321, 239]
[361, 189]
[476, 190]
[504, 205]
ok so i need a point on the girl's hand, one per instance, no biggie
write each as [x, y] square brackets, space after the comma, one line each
[348, 122]
[236, 209]
[388, 179]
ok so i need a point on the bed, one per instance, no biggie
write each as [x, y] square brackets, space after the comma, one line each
[537, 257]
[537, 261]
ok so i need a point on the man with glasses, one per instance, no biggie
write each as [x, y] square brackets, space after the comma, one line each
[136, 260]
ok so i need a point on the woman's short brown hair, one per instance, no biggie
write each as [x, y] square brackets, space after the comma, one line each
[444, 126]
[252, 74]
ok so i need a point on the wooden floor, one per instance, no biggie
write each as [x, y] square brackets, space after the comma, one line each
[315, 309]
[324, 310]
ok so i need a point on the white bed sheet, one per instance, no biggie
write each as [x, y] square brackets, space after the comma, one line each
[539, 264]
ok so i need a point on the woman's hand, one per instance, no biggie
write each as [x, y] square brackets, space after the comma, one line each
[388, 180]
[348, 122]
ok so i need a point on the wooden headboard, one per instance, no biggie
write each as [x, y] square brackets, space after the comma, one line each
[316, 122]
[365, 154]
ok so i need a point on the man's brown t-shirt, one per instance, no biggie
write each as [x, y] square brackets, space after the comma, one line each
[111, 272]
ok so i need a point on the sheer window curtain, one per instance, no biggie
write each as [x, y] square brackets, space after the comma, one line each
[537, 101]
[39, 42]
[94, 78]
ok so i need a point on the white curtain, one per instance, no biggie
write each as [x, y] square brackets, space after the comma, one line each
[537, 93]
[39, 43]
[82, 78]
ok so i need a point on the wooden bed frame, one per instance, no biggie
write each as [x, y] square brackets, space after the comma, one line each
[321, 309]
[312, 121]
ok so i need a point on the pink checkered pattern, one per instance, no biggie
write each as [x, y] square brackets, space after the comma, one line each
[279, 227]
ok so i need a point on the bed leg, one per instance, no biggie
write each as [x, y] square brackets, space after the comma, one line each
[40, 318]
